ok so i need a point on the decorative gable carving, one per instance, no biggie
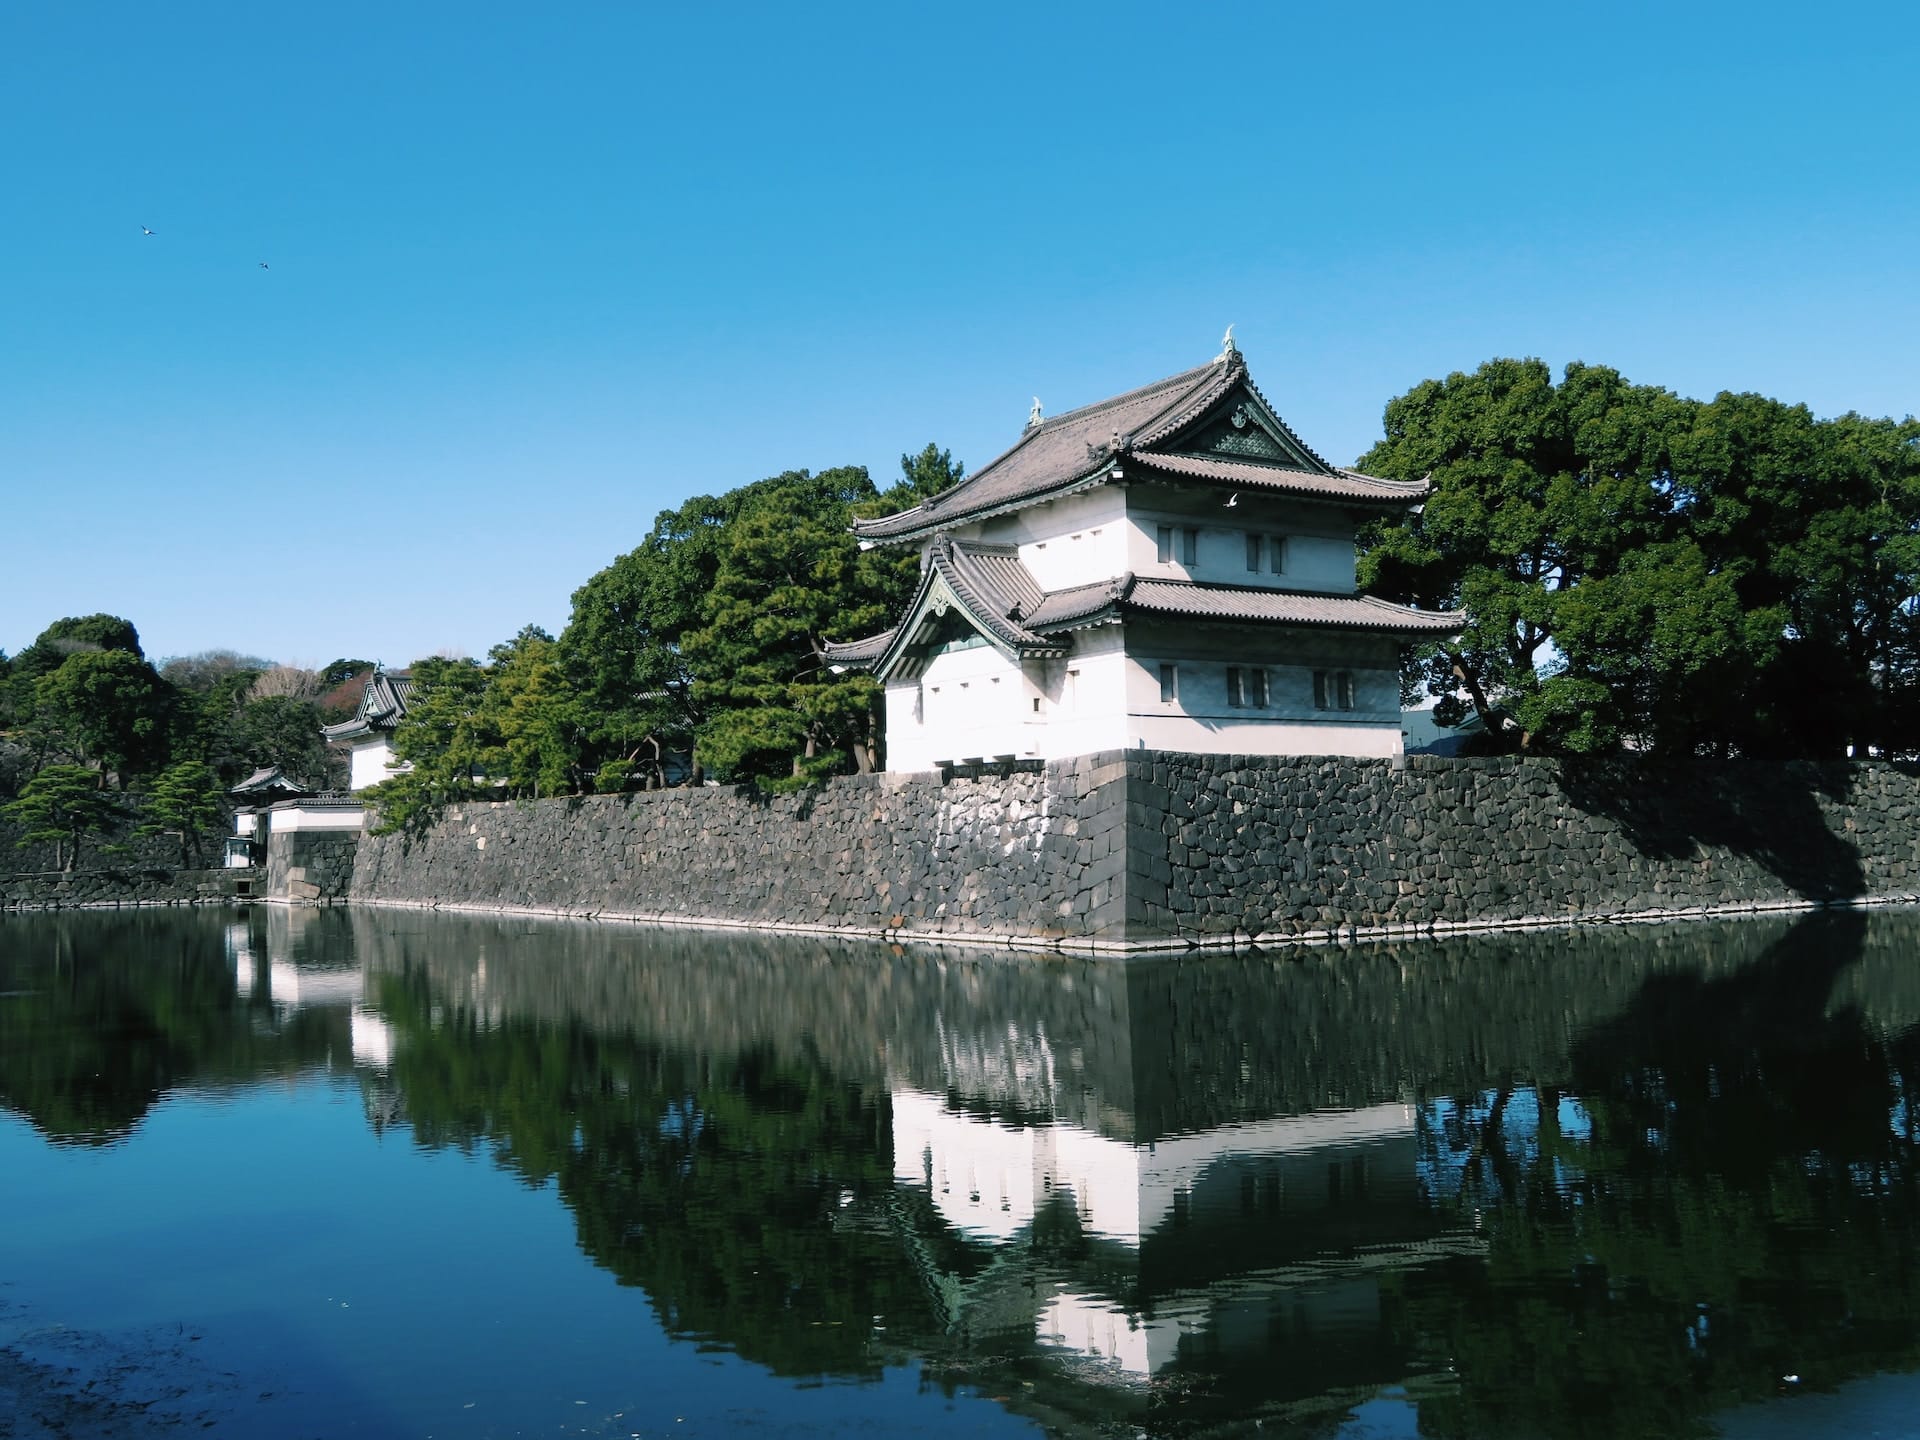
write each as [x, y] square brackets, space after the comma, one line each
[1239, 430]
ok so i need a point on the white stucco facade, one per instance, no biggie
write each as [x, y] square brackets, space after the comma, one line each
[370, 761]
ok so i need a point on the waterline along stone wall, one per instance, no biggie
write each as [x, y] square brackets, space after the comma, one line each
[1140, 848]
[123, 886]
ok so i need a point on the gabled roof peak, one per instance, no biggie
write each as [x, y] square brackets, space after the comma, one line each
[1173, 418]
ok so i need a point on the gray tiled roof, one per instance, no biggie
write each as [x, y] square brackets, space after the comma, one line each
[990, 583]
[1347, 485]
[1062, 451]
[1288, 607]
[987, 580]
[382, 706]
[858, 654]
[1064, 609]
[1086, 446]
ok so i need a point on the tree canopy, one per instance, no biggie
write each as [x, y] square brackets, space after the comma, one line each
[1722, 577]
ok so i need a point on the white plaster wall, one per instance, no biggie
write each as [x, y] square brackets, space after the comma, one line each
[372, 762]
[284, 821]
[1200, 720]
[1316, 561]
[1084, 696]
[972, 703]
[1077, 540]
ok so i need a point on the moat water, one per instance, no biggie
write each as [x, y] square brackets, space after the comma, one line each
[384, 1173]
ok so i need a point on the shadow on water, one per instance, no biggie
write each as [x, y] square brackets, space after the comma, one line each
[1671, 812]
[1725, 1193]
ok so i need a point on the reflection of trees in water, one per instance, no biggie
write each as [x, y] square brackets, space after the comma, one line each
[748, 1196]
[1723, 1199]
[105, 1013]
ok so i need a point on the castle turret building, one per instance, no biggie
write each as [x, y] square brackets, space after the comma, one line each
[1170, 569]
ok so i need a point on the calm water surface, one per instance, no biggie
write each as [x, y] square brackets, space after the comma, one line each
[392, 1174]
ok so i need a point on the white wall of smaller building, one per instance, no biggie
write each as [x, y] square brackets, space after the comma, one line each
[342, 817]
[371, 762]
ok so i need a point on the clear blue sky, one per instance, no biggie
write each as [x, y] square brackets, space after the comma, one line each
[537, 272]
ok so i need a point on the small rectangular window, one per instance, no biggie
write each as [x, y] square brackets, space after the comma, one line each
[1333, 690]
[1253, 553]
[1277, 553]
[1169, 684]
[1036, 704]
[1165, 555]
[1236, 693]
[1257, 689]
[1189, 546]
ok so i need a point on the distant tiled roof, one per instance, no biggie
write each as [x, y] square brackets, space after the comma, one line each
[382, 707]
[270, 781]
[1347, 485]
[1115, 437]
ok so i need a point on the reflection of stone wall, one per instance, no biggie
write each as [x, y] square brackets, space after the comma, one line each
[1134, 1051]
[310, 867]
[118, 887]
[1140, 848]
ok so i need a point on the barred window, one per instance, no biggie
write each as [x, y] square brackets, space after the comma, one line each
[1169, 684]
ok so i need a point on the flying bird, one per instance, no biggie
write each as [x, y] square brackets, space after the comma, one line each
[1233, 500]
[263, 265]
[145, 231]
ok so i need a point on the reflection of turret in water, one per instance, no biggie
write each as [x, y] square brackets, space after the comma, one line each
[298, 958]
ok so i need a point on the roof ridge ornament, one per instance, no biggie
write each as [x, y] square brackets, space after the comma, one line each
[1227, 348]
[1033, 416]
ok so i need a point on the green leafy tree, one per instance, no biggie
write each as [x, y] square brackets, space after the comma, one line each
[210, 670]
[185, 800]
[337, 671]
[108, 707]
[61, 806]
[789, 579]
[1732, 577]
[284, 731]
[76, 634]
[441, 741]
[529, 719]
[622, 648]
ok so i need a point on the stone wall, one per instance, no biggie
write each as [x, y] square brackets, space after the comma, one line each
[119, 849]
[54, 890]
[1025, 853]
[1259, 846]
[1140, 848]
[310, 867]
